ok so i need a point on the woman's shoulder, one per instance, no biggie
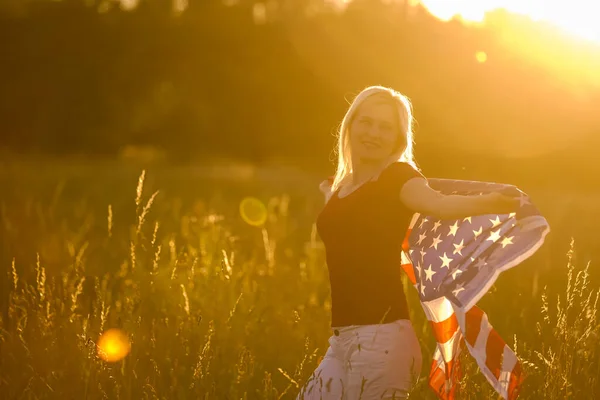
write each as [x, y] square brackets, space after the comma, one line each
[400, 171]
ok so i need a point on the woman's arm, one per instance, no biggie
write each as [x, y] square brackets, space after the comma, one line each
[419, 197]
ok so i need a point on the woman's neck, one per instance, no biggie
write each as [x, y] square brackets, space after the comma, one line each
[364, 171]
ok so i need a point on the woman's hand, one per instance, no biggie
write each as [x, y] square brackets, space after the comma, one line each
[503, 204]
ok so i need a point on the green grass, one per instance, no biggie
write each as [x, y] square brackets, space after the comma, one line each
[216, 308]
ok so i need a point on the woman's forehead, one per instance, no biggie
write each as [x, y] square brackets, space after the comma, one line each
[380, 107]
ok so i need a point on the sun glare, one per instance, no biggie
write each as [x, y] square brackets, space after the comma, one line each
[578, 17]
[113, 345]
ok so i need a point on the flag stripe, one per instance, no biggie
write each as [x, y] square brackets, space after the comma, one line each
[473, 324]
[516, 378]
[494, 350]
[509, 360]
[448, 348]
[445, 329]
[438, 310]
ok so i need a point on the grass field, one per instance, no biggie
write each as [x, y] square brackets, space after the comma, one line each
[216, 308]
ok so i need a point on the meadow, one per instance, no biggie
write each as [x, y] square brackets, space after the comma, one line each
[217, 308]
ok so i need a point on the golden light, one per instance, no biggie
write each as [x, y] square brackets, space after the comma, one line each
[113, 345]
[481, 56]
[253, 211]
[578, 17]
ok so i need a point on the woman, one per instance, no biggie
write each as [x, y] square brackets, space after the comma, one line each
[374, 352]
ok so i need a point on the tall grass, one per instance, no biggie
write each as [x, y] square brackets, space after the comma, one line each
[218, 309]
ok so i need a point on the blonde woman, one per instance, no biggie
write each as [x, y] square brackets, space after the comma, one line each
[373, 351]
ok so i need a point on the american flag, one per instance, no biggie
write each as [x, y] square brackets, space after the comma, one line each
[452, 264]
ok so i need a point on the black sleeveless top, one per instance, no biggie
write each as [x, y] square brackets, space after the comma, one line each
[363, 234]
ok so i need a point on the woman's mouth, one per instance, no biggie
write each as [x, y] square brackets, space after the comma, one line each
[370, 145]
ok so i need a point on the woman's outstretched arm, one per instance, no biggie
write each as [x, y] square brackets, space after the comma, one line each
[418, 196]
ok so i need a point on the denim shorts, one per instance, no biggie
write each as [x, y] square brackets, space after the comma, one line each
[381, 361]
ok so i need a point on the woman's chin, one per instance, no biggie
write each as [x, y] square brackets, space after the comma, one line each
[370, 158]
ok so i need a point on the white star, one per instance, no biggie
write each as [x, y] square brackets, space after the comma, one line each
[436, 225]
[436, 241]
[422, 254]
[445, 261]
[455, 273]
[523, 200]
[478, 232]
[507, 241]
[467, 219]
[496, 221]
[453, 229]
[423, 222]
[422, 290]
[481, 263]
[429, 273]
[421, 238]
[494, 236]
[458, 247]
[458, 289]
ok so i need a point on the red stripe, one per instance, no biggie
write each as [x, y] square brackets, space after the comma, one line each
[408, 268]
[405, 244]
[444, 330]
[437, 381]
[473, 324]
[494, 350]
[516, 378]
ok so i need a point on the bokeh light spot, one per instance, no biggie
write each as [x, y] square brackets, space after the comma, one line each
[113, 345]
[481, 56]
[253, 211]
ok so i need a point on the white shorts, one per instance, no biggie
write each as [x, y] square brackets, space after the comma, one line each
[380, 361]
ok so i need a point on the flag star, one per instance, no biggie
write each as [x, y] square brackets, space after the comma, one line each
[481, 263]
[422, 254]
[455, 273]
[496, 221]
[506, 241]
[429, 273]
[436, 241]
[523, 200]
[421, 238]
[467, 219]
[478, 232]
[423, 221]
[422, 289]
[436, 225]
[458, 289]
[445, 261]
[458, 247]
[453, 229]
[494, 236]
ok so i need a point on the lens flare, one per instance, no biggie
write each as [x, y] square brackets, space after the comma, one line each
[481, 56]
[113, 345]
[253, 211]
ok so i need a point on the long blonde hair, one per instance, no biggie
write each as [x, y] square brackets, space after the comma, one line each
[405, 119]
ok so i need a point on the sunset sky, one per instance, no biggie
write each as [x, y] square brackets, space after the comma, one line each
[577, 17]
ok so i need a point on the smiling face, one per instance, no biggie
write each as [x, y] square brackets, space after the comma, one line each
[375, 132]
